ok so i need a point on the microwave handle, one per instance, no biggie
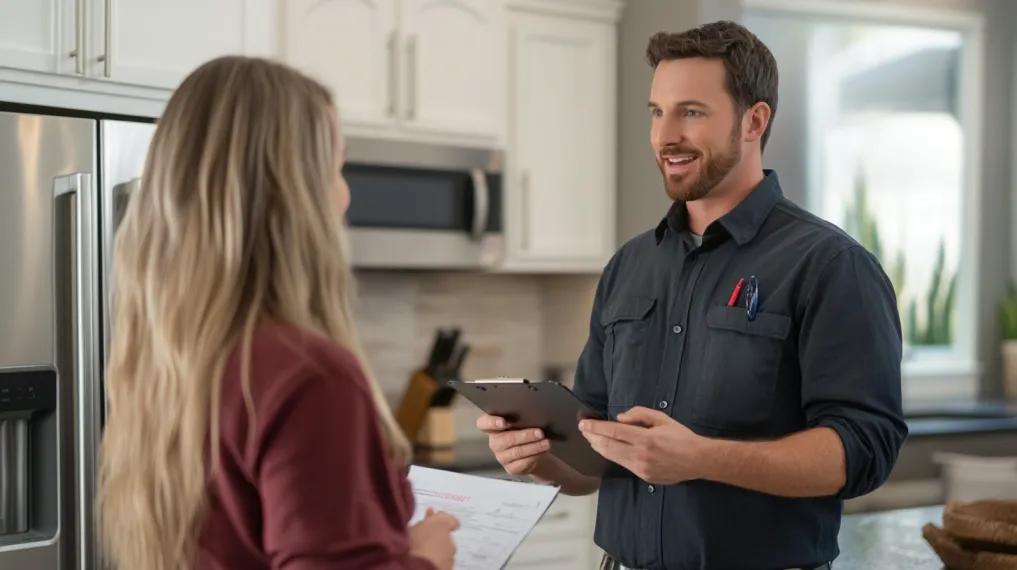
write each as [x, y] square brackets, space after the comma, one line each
[481, 203]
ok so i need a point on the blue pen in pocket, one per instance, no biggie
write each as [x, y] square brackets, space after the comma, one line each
[752, 298]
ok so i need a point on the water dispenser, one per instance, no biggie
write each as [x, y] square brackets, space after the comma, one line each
[27, 453]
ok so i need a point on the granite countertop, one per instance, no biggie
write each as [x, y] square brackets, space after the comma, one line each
[889, 539]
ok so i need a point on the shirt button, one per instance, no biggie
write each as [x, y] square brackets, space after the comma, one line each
[651, 488]
[662, 405]
[677, 329]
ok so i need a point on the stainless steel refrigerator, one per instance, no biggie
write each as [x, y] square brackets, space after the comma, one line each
[63, 184]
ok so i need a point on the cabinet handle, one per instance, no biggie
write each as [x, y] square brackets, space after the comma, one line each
[79, 38]
[393, 64]
[524, 207]
[107, 58]
[411, 62]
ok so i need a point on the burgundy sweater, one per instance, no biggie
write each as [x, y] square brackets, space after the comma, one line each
[310, 487]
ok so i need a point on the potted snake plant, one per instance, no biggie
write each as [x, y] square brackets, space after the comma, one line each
[1008, 318]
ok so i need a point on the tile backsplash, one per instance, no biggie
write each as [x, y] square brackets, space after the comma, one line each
[516, 325]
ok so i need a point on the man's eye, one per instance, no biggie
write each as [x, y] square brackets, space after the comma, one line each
[693, 113]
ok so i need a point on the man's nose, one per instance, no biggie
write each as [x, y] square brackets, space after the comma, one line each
[666, 132]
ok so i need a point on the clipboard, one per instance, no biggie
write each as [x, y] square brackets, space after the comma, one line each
[546, 405]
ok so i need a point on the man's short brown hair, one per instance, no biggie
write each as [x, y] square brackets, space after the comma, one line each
[751, 70]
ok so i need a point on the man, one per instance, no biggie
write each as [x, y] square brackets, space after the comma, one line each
[746, 353]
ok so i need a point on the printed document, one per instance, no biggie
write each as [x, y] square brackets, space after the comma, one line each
[494, 515]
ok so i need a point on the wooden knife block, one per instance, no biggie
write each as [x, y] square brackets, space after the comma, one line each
[415, 404]
[438, 430]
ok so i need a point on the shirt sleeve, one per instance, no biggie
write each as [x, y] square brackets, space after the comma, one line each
[329, 495]
[850, 355]
[590, 382]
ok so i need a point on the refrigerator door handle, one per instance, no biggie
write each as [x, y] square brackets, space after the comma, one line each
[87, 378]
[114, 206]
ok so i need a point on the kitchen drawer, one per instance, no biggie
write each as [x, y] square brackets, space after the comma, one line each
[564, 554]
[567, 516]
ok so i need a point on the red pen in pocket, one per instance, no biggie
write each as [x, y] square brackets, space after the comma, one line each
[733, 299]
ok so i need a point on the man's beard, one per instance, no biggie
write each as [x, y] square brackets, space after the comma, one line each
[712, 170]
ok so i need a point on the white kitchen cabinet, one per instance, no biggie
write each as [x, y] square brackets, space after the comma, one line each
[351, 46]
[563, 539]
[455, 62]
[157, 43]
[567, 516]
[566, 554]
[121, 56]
[561, 177]
[430, 70]
[31, 35]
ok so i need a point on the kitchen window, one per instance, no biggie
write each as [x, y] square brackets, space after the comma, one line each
[877, 131]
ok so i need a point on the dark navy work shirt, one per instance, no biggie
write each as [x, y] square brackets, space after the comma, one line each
[824, 349]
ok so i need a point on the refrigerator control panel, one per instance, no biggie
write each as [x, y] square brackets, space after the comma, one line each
[27, 390]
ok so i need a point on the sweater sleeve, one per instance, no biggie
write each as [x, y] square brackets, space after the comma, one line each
[330, 497]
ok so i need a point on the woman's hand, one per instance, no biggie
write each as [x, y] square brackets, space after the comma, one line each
[431, 539]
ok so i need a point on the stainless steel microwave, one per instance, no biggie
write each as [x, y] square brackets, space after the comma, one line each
[424, 206]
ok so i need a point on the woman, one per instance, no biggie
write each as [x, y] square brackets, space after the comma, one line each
[243, 429]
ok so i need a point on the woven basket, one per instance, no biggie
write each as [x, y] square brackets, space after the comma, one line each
[978, 535]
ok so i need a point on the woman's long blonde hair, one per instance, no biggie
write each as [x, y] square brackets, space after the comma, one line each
[234, 223]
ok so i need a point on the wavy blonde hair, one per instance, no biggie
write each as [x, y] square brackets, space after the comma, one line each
[234, 223]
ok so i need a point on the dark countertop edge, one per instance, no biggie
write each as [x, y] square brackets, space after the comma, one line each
[924, 428]
[462, 466]
[960, 406]
[469, 456]
[474, 455]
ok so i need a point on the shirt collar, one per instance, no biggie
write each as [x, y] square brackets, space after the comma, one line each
[742, 223]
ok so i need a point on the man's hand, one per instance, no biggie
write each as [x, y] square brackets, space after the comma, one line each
[518, 451]
[659, 450]
[527, 452]
[650, 444]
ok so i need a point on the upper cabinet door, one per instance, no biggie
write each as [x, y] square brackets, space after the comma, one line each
[454, 66]
[351, 46]
[31, 36]
[157, 43]
[562, 142]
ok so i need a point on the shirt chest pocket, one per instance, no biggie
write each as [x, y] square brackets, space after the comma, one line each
[626, 323]
[741, 364]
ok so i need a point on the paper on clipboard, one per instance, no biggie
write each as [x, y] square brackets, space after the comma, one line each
[494, 515]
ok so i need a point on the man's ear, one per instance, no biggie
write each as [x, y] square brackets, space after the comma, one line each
[755, 120]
